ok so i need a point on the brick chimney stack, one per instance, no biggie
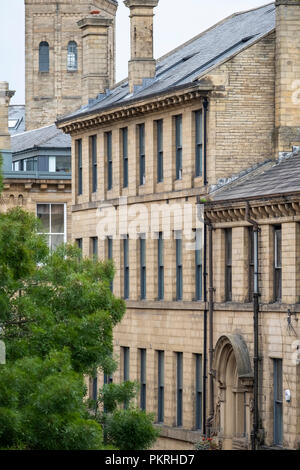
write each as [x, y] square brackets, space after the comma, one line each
[96, 66]
[287, 112]
[142, 64]
[5, 97]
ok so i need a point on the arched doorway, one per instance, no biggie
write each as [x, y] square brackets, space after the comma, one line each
[234, 377]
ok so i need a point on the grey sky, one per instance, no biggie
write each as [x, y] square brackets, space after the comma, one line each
[176, 21]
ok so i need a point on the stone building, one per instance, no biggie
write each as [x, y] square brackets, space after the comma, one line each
[152, 159]
[57, 51]
[36, 173]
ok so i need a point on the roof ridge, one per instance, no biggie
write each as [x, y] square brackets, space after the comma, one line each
[33, 130]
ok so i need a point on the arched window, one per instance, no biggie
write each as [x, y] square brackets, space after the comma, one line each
[72, 56]
[44, 57]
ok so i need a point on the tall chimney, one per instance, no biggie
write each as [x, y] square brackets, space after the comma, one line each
[96, 67]
[142, 64]
[287, 110]
[5, 97]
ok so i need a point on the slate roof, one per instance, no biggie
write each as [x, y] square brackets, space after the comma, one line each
[282, 178]
[16, 113]
[44, 137]
[184, 65]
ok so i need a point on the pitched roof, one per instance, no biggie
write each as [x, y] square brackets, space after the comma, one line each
[282, 178]
[16, 119]
[44, 137]
[190, 61]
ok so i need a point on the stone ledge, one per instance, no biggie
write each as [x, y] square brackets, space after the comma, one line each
[179, 434]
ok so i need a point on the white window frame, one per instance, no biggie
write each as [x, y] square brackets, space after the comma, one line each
[50, 213]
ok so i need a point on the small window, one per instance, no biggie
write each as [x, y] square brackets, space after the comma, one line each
[94, 247]
[228, 265]
[72, 61]
[44, 57]
[251, 262]
[179, 357]
[198, 143]
[178, 266]
[161, 386]
[53, 217]
[160, 249]
[109, 242]
[141, 129]
[126, 363]
[143, 379]
[160, 153]
[93, 155]
[108, 136]
[143, 267]
[178, 143]
[198, 378]
[79, 166]
[126, 266]
[124, 134]
[198, 264]
[278, 401]
[277, 264]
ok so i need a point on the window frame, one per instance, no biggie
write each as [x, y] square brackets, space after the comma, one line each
[72, 56]
[161, 268]
[277, 264]
[143, 268]
[50, 233]
[198, 116]
[228, 264]
[160, 386]
[142, 154]
[278, 401]
[160, 151]
[79, 167]
[94, 163]
[178, 147]
[143, 378]
[126, 268]
[179, 267]
[179, 389]
[109, 160]
[44, 57]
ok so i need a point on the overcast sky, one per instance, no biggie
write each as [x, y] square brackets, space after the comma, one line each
[176, 21]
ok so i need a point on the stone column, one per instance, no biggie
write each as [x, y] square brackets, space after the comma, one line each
[96, 71]
[142, 64]
[5, 97]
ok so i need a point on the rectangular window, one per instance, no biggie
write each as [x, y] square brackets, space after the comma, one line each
[53, 219]
[160, 154]
[95, 388]
[278, 401]
[251, 262]
[79, 164]
[178, 143]
[178, 267]
[109, 242]
[160, 243]
[161, 386]
[52, 164]
[126, 266]
[143, 379]
[228, 264]
[198, 407]
[198, 143]
[179, 357]
[79, 243]
[93, 153]
[108, 137]
[94, 243]
[141, 129]
[126, 363]
[277, 264]
[143, 267]
[198, 264]
[125, 156]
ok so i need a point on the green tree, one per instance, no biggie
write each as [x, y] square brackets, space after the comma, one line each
[126, 428]
[57, 315]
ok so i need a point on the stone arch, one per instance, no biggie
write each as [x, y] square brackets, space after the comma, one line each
[234, 378]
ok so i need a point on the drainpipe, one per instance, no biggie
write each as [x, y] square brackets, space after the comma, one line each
[211, 323]
[254, 433]
[204, 332]
[205, 108]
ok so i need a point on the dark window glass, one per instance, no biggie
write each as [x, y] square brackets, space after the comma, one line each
[43, 163]
[178, 268]
[95, 388]
[110, 254]
[160, 153]
[44, 57]
[179, 357]
[198, 143]
[143, 379]
[93, 153]
[198, 264]
[126, 368]
[94, 241]
[79, 162]
[277, 264]
[161, 373]
[278, 402]
[125, 156]
[72, 60]
[141, 129]
[63, 164]
[160, 242]
[143, 267]
[198, 365]
[109, 160]
[251, 262]
[178, 143]
[126, 267]
[228, 264]
[79, 243]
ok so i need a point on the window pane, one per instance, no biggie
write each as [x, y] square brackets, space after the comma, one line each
[63, 164]
[52, 164]
[44, 57]
[57, 219]
[43, 213]
[56, 240]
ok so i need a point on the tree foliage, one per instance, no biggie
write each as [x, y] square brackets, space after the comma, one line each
[57, 315]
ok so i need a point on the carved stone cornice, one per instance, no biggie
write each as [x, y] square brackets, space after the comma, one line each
[104, 117]
[263, 209]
